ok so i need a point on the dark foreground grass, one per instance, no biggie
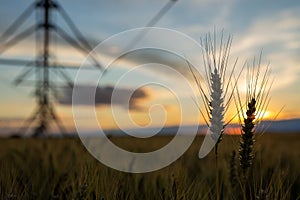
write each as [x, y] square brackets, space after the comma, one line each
[63, 169]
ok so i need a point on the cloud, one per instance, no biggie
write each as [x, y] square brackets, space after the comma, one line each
[124, 97]
[157, 56]
[281, 30]
[278, 37]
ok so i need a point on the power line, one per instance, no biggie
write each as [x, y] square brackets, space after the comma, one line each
[152, 22]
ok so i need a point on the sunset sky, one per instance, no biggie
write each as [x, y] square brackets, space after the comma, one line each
[272, 27]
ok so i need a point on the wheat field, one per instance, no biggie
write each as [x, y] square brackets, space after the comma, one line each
[61, 168]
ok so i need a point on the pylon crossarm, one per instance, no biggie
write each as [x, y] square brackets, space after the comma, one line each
[74, 28]
[26, 71]
[76, 45]
[18, 22]
[64, 76]
[17, 39]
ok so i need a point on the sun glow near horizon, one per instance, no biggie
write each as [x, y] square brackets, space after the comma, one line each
[274, 29]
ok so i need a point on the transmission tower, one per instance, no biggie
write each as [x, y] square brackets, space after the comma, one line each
[44, 113]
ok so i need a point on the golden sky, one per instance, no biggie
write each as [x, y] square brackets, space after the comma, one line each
[270, 27]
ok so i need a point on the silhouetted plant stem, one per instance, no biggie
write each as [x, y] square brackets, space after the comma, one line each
[216, 94]
[217, 172]
[233, 170]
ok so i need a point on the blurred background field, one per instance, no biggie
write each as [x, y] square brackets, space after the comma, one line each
[61, 168]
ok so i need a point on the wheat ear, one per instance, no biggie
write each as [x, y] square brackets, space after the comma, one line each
[257, 100]
[247, 140]
[216, 96]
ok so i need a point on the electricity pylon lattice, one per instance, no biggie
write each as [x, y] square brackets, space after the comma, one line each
[43, 63]
[44, 113]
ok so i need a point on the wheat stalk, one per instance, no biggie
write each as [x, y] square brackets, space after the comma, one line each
[216, 127]
[215, 92]
[216, 96]
[233, 170]
[256, 101]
